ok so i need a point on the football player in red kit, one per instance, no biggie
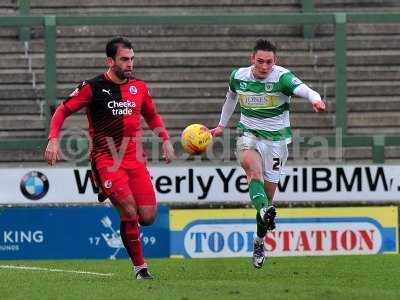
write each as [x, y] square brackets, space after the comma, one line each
[114, 103]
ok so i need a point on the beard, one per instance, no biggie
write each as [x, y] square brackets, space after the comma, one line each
[121, 74]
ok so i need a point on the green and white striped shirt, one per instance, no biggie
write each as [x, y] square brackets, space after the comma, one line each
[264, 104]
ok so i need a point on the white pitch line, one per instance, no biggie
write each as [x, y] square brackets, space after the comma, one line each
[54, 270]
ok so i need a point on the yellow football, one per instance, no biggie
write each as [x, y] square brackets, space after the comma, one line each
[196, 138]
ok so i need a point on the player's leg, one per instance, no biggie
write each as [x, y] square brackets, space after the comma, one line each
[270, 189]
[145, 198]
[143, 192]
[130, 235]
[116, 186]
[251, 162]
[252, 156]
[265, 222]
[250, 159]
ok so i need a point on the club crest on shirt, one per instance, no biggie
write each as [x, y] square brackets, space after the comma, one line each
[269, 87]
[133, 90]
[108, 184]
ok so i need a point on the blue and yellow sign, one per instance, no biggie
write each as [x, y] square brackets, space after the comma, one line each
[299, 232]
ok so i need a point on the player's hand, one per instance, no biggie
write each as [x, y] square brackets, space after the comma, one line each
[217, 131]
[319, 106]
[51, 155]
[168, 151]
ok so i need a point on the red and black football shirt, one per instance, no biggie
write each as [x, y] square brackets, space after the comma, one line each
[114, 113]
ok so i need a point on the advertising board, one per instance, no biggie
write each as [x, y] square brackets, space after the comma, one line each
[299, 232]
[74, 232]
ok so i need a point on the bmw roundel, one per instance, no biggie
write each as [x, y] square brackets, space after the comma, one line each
[34, 185]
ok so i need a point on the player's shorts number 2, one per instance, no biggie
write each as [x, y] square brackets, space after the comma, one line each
[277, 164]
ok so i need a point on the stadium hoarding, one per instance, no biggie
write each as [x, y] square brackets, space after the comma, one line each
[204, 184]
[204, 233]
[74, 233]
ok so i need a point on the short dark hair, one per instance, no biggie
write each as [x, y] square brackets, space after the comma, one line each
[264, 45]
[113, 45]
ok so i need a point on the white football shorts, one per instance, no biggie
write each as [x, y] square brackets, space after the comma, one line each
[274, 154]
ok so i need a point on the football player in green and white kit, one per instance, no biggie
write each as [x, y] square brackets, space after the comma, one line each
[263, 91]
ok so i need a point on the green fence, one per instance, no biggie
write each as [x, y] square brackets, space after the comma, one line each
[339, 20]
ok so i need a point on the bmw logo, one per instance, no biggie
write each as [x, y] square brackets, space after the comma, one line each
[34, 185]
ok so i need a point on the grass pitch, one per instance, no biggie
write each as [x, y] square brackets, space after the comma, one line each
[340, 277]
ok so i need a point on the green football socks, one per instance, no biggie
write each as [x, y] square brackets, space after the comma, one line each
[259, 200]
[257, 194]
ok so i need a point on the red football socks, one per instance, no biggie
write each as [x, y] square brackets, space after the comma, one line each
[130, 236]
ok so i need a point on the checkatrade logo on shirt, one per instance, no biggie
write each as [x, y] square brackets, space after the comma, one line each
[121, 107]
